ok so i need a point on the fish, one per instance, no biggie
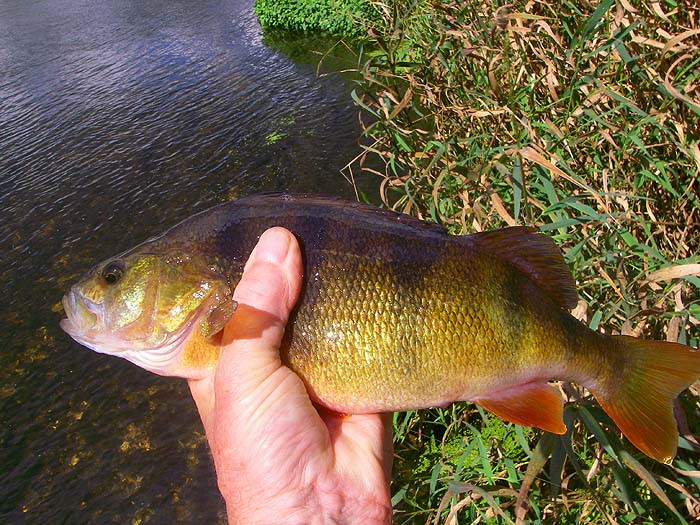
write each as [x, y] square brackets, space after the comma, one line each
[394, 314]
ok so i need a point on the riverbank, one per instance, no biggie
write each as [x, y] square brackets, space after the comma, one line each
[583, 121]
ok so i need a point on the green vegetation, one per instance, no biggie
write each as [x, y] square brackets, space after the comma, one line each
[337, 17]
[584, 120]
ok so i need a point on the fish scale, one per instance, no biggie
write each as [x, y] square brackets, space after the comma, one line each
[402, 352]
[394, 314]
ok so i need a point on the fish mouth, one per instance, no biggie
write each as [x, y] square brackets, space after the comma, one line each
[83, 316]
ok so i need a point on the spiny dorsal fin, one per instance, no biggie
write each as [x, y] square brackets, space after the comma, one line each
[534, 254]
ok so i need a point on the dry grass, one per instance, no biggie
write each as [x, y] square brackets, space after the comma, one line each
[583, 119]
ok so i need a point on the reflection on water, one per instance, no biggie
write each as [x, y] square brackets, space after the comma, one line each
[119, 118]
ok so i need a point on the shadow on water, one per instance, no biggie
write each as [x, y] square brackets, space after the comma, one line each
[117, 120]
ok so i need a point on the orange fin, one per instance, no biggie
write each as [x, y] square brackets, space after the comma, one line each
[640, 401]
[218, 317]
[534, 254]
[532, 405]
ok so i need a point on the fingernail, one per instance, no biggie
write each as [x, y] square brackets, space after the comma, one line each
[273, 246]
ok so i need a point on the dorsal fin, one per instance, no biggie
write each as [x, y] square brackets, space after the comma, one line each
[534, 254]
[336, 205]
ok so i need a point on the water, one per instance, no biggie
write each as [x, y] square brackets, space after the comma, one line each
[119, 118]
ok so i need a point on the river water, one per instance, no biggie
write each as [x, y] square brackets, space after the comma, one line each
[118, 118]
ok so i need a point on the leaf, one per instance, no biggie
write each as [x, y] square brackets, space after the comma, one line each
[483, 454]
[539, 458]
[598, 432]
[460, 488]
[595, 320]
[465, 455]
[596, 17]
[520, 437]
[434, 476]
[396, 498]
[518, 187]
[673, 272]
[359, 102]
[678, 39]
[651, 482]
[556, 465]
[569, 415]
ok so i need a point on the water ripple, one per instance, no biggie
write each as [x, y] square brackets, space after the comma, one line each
[117, 119]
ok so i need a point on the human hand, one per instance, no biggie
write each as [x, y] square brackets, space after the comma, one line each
[278, 459]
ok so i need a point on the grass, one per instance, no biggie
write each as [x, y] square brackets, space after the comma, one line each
[582, 118]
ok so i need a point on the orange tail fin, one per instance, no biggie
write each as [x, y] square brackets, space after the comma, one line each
[654, 373]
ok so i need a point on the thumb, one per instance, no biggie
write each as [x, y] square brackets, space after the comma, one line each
[266, 294]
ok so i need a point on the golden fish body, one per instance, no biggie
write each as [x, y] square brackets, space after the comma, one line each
[395, 314]
[403, 336]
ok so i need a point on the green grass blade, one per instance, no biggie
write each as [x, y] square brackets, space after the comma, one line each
[651, 482]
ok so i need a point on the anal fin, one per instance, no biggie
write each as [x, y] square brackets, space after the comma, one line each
[532, 404]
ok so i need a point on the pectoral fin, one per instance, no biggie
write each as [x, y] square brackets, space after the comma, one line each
[218, 317]
[533, 405]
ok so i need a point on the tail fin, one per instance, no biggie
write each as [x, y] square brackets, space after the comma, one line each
[654, 373]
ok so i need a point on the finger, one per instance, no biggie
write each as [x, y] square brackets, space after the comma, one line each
[361, 439]
[265, 295]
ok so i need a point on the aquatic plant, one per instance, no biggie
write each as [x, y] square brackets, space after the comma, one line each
[338, 17]
[581, 119]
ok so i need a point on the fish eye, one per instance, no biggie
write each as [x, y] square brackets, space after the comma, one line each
[113, 272]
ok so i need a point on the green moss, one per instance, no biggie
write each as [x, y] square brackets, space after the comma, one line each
[433, 453]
